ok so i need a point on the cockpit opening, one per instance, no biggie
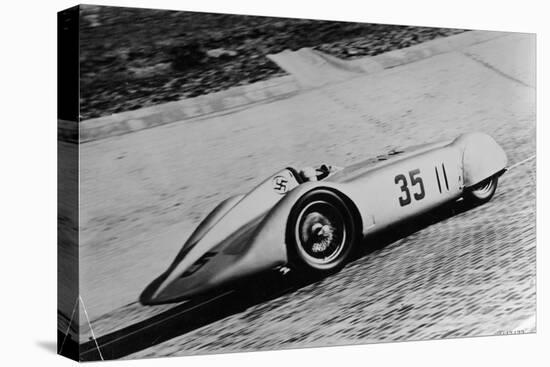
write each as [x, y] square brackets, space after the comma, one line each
[308, 174]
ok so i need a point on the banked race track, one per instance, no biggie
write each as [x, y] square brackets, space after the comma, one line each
[451, 273]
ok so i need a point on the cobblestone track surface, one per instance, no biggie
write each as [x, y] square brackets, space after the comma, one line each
[469, 274]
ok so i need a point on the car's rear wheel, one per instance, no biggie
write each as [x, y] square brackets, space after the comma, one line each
[321, 232]
[483, 191]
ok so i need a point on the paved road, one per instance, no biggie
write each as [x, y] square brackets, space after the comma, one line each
[469, 273]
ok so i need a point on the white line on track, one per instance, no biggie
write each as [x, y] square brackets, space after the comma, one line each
[90, 325]
[528, 324]
[175, 315]
[522, 162]
[69, 327]
[168, 318]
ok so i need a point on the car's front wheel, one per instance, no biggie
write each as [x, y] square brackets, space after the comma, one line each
[482, 192]
[321, 232]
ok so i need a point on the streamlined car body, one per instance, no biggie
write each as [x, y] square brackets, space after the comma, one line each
[295, 220]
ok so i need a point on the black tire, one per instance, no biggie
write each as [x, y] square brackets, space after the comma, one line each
[321, 233]
[481, 192]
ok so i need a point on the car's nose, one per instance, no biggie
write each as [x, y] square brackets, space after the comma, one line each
[181, 282]
[161, 291]
[151, 295]
[214, 261]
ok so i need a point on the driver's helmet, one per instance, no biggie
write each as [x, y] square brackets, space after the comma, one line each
[308, 174]
[315, 174]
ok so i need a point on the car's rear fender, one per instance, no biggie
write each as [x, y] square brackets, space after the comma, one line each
[482, 157]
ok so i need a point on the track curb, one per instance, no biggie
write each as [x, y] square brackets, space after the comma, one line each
[264, 91]
[165, 113]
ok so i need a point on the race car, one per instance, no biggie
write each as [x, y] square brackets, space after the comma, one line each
[311, 220]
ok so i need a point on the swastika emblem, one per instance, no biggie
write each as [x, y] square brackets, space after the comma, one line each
[280, 184]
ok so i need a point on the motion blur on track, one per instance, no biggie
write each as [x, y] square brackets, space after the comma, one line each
[312, 222]
[452, 272]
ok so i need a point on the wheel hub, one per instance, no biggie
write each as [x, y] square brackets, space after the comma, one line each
[322, 235]
[321, 232]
